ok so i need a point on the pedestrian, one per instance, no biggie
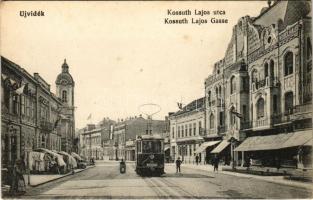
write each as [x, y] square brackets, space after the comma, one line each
[197, 159]
[178, 163]
[18, 185]
[216, 161]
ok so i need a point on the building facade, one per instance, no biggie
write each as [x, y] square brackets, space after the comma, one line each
[91, 142]
[262, 88]
[125, 132]
[29, 113]
[187, 131]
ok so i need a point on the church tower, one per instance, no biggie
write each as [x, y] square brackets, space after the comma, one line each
[65, 91]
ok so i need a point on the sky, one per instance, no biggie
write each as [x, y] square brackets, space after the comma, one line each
[120, 54]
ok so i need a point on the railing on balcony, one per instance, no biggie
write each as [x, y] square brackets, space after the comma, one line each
[45, 125]
[211, 131]
[260, 84]
[221, 129]
[281, 118]
[246, 125]
[298, 109]
[261, 122]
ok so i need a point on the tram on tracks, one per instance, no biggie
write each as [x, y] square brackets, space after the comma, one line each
[150, 155]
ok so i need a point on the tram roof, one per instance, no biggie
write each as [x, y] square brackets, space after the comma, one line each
[145, 137]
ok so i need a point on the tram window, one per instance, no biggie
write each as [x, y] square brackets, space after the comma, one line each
[151, 146]
[139, 146]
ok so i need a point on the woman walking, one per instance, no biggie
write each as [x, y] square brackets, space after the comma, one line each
[18, 185]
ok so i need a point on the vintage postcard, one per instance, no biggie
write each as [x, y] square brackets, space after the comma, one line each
[156, 99]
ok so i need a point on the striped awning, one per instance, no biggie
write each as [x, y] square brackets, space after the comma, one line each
[220, 147]
[204, 145]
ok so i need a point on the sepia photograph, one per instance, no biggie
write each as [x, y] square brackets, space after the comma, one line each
[156, 99]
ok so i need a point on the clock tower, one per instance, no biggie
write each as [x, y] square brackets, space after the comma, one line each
[65, 92]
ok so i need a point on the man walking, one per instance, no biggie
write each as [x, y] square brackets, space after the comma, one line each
[216, 161]
[178, 163]
[197, 159]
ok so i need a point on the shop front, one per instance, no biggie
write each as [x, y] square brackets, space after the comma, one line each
[288, 150]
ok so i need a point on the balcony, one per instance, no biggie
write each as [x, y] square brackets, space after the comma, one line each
[221, 129]
[262, 122]
[211, 131]
[45, 125]
[302, 112]
[260, 84]
[246, 125]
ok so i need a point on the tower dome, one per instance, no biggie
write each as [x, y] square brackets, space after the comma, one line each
[64, 78]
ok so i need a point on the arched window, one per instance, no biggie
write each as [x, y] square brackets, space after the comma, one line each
[288, 63]
[232, 85]
[309, 48]
[209, 98]
[211, 121]
[64, 96]
[260, 108]
[266, 70]
[216, 92]
[272, 68]
[288, 102]
[254, 76]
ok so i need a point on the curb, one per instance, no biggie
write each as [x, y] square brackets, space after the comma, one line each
[293, 184]
[65, 175]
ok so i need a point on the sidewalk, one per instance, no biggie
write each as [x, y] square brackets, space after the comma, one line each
[36, 180]
[272, 179]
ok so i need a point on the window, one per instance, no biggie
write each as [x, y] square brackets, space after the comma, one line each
[190, 130]
[272, 68]
[194, 129]
[182, 131]
[260, 108]
[15, 104]
[22, 104]
[266, 70]
[200, 128]
[217, 94]
[64, 96]
[178, 132]
[244, 112]
[309, 48]
[211, 121]
[209, 98]
[288, 63]
[254, 76]
[186, 130]
[275, 107]
[232, 85]
[221, 118]
[173, 132]
[288, 102]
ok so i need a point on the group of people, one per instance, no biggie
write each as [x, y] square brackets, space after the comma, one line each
[215, 162]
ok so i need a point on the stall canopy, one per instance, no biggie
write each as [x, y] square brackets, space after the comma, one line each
[71, 160]
[272, 142]
[204, 145]
[76, 156]
[220, 147]
[58, 156]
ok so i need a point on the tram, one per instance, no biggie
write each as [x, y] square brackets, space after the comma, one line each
[150, 155]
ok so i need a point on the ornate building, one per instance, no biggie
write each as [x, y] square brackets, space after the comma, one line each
[262, 88]
[30, 113]
[65, 91]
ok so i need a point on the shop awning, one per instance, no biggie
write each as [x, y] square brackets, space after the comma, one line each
[272, 142]
[220, 147]
[298, 139]
[204, 145]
